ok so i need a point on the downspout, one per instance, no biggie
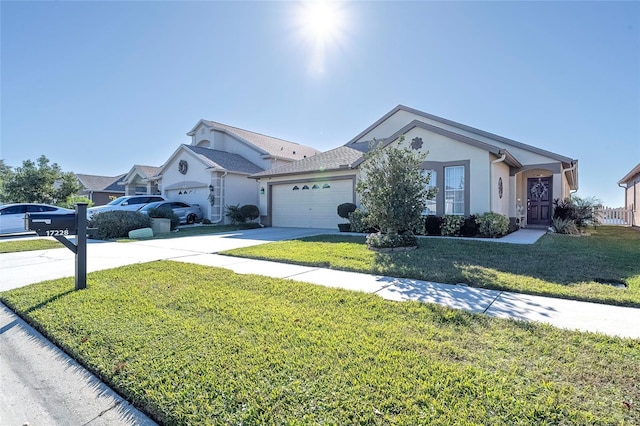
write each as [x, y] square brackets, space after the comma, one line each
[570, 169]
[499, 160]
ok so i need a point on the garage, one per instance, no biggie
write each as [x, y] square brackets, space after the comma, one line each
[310, 204]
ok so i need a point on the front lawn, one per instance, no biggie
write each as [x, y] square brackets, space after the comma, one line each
[15, 246]
[557, 265]
[191, 344]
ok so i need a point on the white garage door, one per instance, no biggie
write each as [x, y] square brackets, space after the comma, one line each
[310, 204]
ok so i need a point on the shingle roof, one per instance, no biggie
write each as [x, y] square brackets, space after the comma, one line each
[224, 160]
[338, 158]
[149, 171]
[100, 183]
[272, 146]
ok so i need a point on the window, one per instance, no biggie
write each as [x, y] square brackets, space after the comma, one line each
[454, 190]
[430, 206]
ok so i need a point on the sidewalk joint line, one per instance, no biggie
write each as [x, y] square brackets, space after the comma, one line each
[494, 299]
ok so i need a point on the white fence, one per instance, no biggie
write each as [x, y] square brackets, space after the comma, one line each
[613, 216]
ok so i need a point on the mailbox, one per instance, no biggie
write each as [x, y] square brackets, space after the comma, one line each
[52, 225]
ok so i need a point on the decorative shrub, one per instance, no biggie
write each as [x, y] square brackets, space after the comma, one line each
[345, 209]
[359, 221]
[451, 225]
[165, 213]
[242, 214]
[470, 227]
[582, 211]
[118, 223]
[433, 225]
[250, 212]
[206, 221]
[493, 225]
[380, 240]
[564, 226]
[234, 213]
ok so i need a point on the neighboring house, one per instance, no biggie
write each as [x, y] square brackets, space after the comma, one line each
[100, 189]
[631, 183]
[213, 170]
[474, 171]
[141, 180]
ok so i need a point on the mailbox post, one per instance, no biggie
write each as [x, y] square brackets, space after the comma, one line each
[59, 227]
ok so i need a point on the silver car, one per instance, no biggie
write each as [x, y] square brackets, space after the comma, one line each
[12, 215]
[188, 213]
[128, 202]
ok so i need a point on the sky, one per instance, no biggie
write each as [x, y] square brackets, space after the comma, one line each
[97, 87]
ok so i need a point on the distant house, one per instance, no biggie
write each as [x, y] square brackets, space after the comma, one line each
[475, 172]
[631, 184]
[213, 170]
[100, 189]
[141, 180]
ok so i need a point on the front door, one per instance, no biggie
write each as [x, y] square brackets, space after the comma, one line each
[539, 199]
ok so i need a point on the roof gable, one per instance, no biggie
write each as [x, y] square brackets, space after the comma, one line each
[145, 172]
[465, 128]
[509, 158]
[267, 145]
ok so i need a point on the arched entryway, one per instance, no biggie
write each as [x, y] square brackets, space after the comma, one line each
[539, 200]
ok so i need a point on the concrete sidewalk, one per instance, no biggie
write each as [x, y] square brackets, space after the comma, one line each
[568, 314]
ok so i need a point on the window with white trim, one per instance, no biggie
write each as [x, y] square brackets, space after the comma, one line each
[454, 190]
[430, 206]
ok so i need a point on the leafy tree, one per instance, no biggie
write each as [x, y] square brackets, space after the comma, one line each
[393, 188]
[5, 174]
[39, 182]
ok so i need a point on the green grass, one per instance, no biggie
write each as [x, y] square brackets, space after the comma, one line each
[196, 345]
[557, 265]
[28, 245]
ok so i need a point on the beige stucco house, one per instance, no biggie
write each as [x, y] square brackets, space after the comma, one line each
[474, 170]
[631, 184]
[213, 169]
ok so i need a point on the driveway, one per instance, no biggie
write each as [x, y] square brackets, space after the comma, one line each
[20, 269]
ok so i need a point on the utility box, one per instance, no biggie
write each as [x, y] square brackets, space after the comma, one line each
[52, 225]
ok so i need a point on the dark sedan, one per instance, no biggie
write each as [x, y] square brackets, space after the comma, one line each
[188, 213]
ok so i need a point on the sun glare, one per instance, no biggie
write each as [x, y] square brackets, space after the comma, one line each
[322, 22]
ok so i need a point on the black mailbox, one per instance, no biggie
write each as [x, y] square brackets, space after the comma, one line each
[51, 225]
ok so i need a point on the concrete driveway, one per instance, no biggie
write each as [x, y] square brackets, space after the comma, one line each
[20, 269]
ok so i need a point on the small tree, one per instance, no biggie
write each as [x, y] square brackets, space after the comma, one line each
[393, 190]
[38, 182]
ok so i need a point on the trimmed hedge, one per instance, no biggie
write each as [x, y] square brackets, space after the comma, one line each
[118, 223]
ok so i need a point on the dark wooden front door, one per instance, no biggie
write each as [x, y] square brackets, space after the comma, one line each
[539, 200]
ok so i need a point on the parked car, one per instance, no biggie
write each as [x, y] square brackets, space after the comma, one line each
[128, 202]
[188, 213]
[12, 215]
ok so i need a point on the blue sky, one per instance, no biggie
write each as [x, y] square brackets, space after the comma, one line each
[100, 86]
